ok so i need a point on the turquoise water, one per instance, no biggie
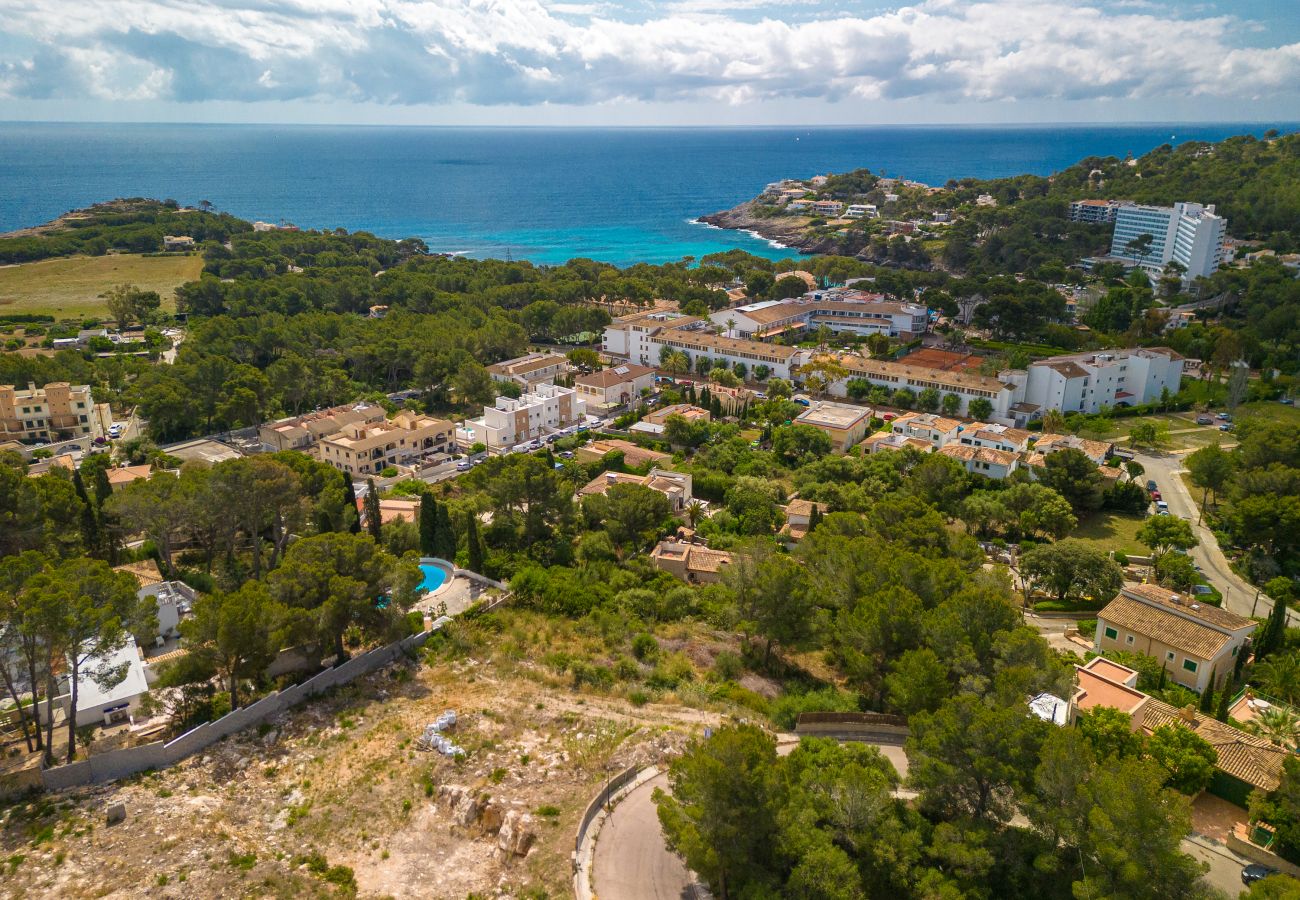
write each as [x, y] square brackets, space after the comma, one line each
[434, 577]
[619, 195]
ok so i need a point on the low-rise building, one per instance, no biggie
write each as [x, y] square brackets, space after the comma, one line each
[995, 464]
[685, 410]
[798, 518]
[829, 208]
[1097, 451]
[367, 448]
[967, 386]
[1088, 382]
[888, 440]
[534, 368]
[174, 601]
[545, 409]
[1243, 762]
[1095, 211]
[99, 705]
[634, 455]
[615, 386]
[843, 423]
[58, 411]
[303, 432]
[124, 475]
[998, 437]
[676, 486]
[691, 563]
[177, 243]
[936, 431]
[1190, 639]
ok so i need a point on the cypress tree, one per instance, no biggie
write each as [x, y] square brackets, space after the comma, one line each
[814, 518]
[473, 544]
[89, 522]
[374, 524]
[690, 393]
[1160, 685]
[350, 501]
[428, 525]
[715, 408]
[445, 536]
[1274, 630]
[103, 487]
[1225, 700]
[1207, 696]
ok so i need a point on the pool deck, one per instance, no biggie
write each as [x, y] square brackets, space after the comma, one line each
[457, 592]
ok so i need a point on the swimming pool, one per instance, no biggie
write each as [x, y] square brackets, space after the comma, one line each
[434, 576]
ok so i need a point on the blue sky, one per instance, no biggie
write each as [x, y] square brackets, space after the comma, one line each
[588, 62]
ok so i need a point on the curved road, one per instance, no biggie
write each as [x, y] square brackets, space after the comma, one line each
[1239, 596]
[632, 860]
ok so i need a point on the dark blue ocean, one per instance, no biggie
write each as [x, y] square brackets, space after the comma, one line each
[621, 195]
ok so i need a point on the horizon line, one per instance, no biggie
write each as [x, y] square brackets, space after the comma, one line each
[1287, 123]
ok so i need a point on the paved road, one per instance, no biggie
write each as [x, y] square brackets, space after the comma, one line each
[632, 861]
[1238, 594]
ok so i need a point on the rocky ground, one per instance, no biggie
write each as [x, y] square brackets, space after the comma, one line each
[792, 231]
[334, 799]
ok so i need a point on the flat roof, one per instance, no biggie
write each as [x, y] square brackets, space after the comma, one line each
[833, 415]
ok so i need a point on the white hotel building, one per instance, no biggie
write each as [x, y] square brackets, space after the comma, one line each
[1085, 382]
[1186, 233]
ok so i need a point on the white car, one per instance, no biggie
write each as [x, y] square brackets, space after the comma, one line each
[115, 431]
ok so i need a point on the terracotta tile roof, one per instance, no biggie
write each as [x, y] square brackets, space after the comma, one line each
[128, 474]
[927, 420]
[1092, 449]
[619, 374]
[1068, 369]
[800, 507]
[1189, 636]
[1187, 605]
[146, 572]
[1241, 755]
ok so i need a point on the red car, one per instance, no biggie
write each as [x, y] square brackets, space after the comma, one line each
[1155, 495]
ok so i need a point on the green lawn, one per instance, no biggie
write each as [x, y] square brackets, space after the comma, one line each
[70, 287]
[1269, 411]
[1112, 531]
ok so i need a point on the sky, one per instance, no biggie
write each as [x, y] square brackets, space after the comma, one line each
[675, 62]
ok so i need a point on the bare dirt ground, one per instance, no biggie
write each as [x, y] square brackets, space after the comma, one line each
[334, 799]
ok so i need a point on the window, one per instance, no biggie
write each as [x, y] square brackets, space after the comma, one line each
[1234, 651]
[1129, 640]
[1169, 656]
[1189, 665]
[1112, 633]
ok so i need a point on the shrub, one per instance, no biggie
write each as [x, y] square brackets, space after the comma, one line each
[1088, 628]
[671, 671]
[728, 666]
[644, 646]
[1120, 557]
[786, 708]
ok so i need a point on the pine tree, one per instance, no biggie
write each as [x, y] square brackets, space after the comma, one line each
[374, 524]
[473, 544]
[428, 525]
[350, 501]
[1207, 695]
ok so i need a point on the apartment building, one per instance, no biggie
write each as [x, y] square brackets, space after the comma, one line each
[367, 448]
[676, 486]
[1086, 382]
[1100, 212]
[59, 411]
[534, 368]
[1097, 451]
[894, 375]
[780, 361]
[303, 432]
[936, 431]
[986, 461]
[629, 336]
[1187, 233]
[843, 423]
[1191, 640]
[840, 313]
[544, 410]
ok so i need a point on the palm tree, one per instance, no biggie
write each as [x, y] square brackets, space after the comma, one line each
[1279, 675]
[731, 327]
[694, 510]
[1278, 724]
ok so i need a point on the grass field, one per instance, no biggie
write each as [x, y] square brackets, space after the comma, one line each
[70, 288]
[1112, 531]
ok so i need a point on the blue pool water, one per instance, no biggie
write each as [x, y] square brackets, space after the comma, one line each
[434, 577]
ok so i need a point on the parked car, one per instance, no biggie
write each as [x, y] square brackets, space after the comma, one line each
[566, 454]
[1151, 485]
[1204, 420]
[1224, 417]
[1287, 401]
[1256, 872]
[1155, 495]
[1162, 507]
[464, 465]
[1225, 427]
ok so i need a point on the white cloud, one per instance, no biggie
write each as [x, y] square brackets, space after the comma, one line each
[526, 52]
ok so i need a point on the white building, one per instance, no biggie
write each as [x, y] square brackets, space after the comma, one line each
[174, 601]
[937, 431]
[1187, 233]
[615, 385]
[986, 461]
[534, 368]
[1096, 211]
[841, 311]
[97, 705]
[543, 410]
[1086, 382]
[996, 437]
[967, 386]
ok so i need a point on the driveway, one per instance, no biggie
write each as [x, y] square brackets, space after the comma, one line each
[1239, 595]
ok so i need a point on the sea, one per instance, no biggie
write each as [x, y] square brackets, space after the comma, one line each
[621, 195]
